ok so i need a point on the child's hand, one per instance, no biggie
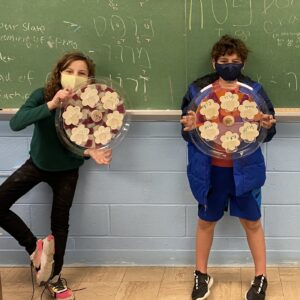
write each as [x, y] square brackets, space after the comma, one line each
[100, 156]
[189, 121]
[267, 121]
[61, 96]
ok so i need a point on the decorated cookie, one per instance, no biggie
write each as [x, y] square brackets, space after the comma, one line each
[209, 131]
[110, 100]
[249, 132]
[72, 115]
[90, 97]
[79, 135]
[229, 101]
[114, 120]
[102, 135]
[230, 141]
[210, 109]
[248, 110]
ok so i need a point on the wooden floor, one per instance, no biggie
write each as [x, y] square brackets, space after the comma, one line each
[153, 283]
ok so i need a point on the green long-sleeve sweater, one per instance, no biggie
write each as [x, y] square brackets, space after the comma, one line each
[46, 150]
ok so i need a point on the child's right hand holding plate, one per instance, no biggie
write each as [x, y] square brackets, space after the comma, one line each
[189, 121]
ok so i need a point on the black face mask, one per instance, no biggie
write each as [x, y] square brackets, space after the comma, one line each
[229, 72]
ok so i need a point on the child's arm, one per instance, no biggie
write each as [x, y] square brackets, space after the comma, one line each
[188, 117]
[61, 96]
[268, 120]
[33, 110]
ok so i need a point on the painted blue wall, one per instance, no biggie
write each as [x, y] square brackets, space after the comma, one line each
[140, 210]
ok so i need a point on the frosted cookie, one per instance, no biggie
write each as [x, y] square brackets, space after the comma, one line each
[210, 109]
[102, 135]
[248, 110]
[115, 120]
[79, 135]
[249, 132]
[230, 141]
[209, 131]
[229, 101]
[90, 97]
[110, 100]
[72, 115]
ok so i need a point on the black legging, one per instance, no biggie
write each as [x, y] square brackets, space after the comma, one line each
[63, 184]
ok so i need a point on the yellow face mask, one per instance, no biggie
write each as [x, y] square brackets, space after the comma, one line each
[72, 82]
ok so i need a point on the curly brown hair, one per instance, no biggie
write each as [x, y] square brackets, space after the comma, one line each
[229, 45]
[53, 84]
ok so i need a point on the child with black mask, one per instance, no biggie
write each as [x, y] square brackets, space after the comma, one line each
[215, 182]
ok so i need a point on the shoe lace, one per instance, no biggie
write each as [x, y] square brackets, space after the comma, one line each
[196, 281]
[201, 279]
[259, 284]
[32, 280]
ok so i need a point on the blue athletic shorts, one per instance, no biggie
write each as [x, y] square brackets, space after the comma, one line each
[221, 196]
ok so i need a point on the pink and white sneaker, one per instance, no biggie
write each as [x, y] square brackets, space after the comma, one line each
[42, 259]
[58, 289]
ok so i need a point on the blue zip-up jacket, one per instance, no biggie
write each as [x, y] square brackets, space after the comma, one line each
[249, 172]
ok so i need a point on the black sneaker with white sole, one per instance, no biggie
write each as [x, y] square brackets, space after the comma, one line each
[258, 288]
[202, 284]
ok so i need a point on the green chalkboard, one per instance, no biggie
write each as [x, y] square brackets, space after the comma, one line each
[153, 48]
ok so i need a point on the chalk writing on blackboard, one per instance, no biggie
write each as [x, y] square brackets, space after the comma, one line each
[4, 58]
[31, 35]
[74, 27]
[152, 52]
[221, 12]
[268, 4]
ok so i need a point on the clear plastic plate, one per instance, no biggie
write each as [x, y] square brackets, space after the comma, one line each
[93, 118]
[228, 121]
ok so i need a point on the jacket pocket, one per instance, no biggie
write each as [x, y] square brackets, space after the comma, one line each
[250, 173]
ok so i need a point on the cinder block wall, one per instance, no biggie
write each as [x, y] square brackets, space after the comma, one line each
[140, 209]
